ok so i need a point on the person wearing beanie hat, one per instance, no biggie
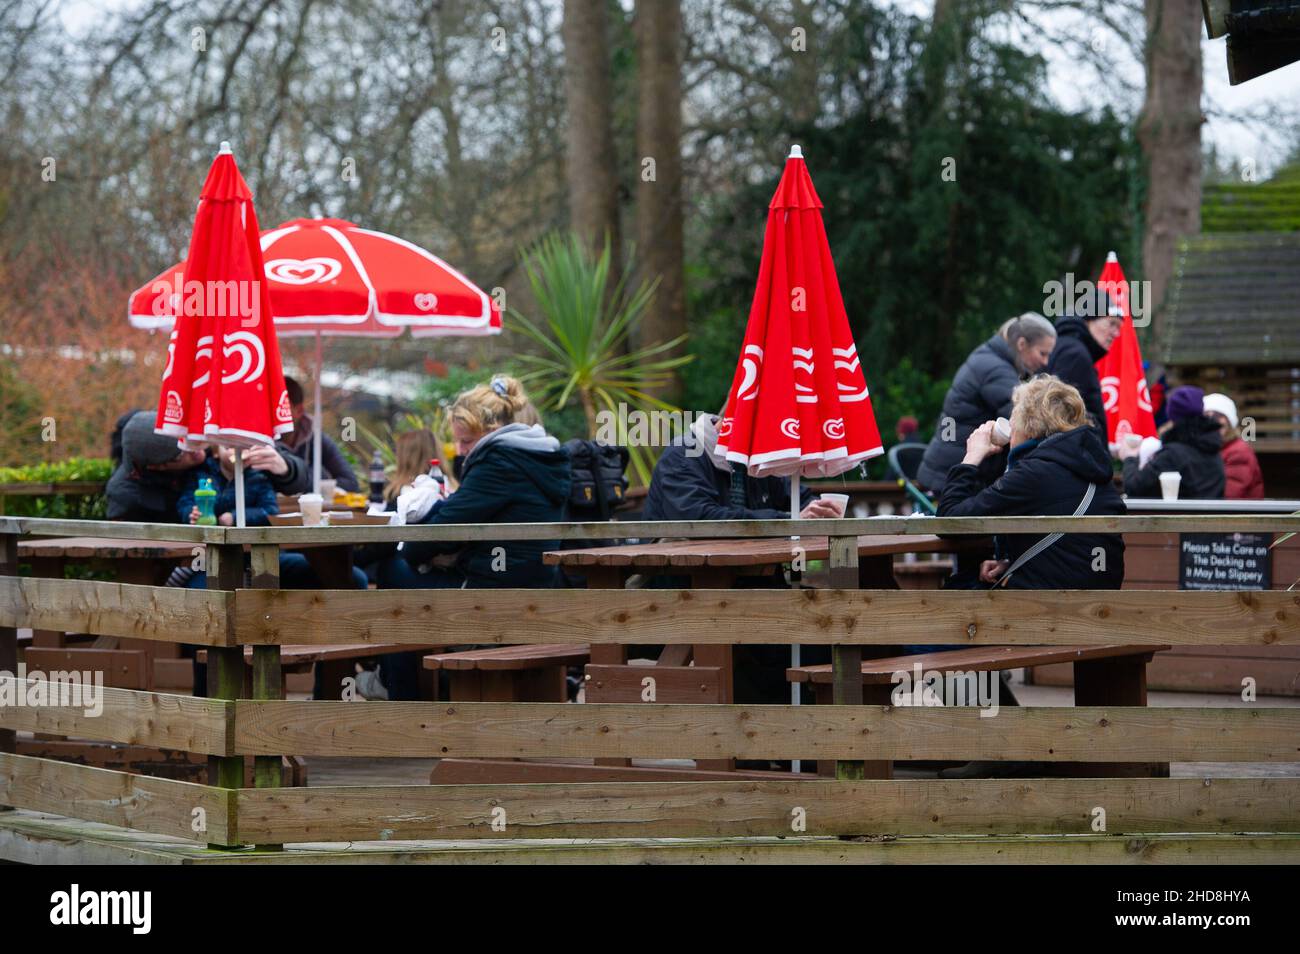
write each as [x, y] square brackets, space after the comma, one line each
[1243, 478]
[1191, 447]
[1081, 341]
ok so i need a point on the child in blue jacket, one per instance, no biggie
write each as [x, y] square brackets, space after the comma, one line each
[259, 495]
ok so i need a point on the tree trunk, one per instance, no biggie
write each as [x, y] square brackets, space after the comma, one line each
[659, 245]
[592, 166]
[1169, 131]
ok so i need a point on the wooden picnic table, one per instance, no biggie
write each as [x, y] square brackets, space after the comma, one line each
[716, 564]
[150, 562]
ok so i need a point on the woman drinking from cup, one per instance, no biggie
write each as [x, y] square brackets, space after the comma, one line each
[1056, 466]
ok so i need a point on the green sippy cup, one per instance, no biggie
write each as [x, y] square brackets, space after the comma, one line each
[205, 498]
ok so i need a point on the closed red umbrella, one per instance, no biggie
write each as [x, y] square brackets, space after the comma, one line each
[223, 380]
[1123, 382]
[799, 403]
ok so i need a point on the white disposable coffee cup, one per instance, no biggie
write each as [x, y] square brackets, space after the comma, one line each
[1133, 440]
[1001, 435]
[328, 487]
[840, 500]
[310, 505]
[1169, 481]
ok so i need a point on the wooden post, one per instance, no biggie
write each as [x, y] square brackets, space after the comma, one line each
[8, 637]
[268, 682]
[225, 569]
[846, 661]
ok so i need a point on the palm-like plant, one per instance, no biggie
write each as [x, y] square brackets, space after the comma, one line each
[582, 332]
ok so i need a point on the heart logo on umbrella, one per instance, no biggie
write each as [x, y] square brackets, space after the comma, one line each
[790, 428]
[252, 357]
[292, 271]
[426, 301]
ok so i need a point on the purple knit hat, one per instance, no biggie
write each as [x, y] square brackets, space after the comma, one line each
[1187, 401]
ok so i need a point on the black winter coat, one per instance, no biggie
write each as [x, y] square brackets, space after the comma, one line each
[690, 487]
[1047, 479]
[1074, 361]
[1191, 447]
[502, 484]
[981, 391]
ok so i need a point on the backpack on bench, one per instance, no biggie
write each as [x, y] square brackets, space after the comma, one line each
[599, 485]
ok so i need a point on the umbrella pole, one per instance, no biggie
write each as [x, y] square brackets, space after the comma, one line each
[316, 425]
[239, 487]
[794, 647]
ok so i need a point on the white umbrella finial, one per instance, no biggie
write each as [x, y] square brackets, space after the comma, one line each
[796, 152]
[225, 149]
[1112, 257]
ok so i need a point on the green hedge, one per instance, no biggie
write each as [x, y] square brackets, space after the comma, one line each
[71, 506]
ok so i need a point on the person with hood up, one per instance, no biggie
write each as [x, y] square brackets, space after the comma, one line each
[692, 481]
[1056, 466]
[1191, 446]
[512, 473]
[1243, 480]
[1082, 341]
[981, 391]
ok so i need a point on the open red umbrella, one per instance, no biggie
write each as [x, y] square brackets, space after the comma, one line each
[799, 403]
[329, 277]
[223, 380]
[1123, 382]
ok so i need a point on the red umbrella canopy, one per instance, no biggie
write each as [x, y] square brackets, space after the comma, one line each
[1123, 382]
[223, 379]
[337, 278]
[799, 402]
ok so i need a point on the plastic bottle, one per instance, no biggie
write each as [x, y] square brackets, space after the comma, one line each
[205, 498]
[377, 478]
[435, 471]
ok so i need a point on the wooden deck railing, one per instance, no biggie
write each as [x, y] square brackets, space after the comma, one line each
[1201, 817]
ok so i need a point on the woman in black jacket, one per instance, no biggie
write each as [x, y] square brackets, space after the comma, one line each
[981, 390]
[512, 473]
[1053, 461]
[1080, 343]
[1191, 448]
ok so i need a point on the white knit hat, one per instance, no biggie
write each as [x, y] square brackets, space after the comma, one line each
[1221, 404]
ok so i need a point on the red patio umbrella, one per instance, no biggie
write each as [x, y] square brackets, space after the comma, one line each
[329, 277]
[799, 403]
[1123, 382]
[223, 380]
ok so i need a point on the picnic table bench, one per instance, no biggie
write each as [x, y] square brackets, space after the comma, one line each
[509, 673]
[1104, 676]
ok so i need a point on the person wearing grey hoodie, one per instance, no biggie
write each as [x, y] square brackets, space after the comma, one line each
[513, 474]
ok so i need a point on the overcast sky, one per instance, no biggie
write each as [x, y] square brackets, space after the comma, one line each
[1265, 143]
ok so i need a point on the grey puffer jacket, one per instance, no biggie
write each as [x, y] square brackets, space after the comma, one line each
[981, 391]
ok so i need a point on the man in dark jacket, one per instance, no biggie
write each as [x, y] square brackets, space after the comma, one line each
[1191, 447]
[148, 483]
[515, 474]
[1080, 343]
[691, 482]
[303, 444]
[981, 391]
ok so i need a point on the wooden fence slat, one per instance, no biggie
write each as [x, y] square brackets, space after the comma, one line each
[831, 807]
[638, 730]
[129, 716]
[160, 806]
[161, 613]
[862, 617]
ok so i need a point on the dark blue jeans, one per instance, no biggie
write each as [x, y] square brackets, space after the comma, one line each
[400, 672]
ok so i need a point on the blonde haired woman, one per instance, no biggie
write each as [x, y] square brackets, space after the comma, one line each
[509, 472]
[1056, 466]
[413, 450]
